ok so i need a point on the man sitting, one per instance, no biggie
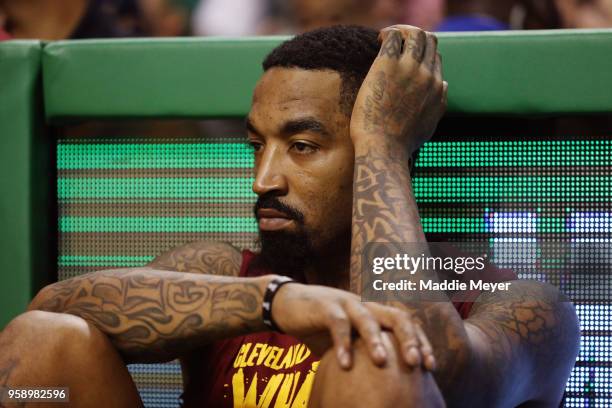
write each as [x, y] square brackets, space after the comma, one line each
[334, 122]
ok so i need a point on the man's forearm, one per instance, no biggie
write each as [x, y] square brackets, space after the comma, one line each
[151, 315]
[385, 210]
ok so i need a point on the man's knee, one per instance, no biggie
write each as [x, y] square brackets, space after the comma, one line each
[50, 349]
[365, 384]
[51, 343]
[36, 330]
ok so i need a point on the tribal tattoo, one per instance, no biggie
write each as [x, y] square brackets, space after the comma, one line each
[212, 258]
[155, 315]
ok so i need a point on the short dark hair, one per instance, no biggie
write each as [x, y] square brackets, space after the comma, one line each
[347, 49]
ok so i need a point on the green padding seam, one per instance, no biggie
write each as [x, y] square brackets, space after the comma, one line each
[509, 72]
[22, 208]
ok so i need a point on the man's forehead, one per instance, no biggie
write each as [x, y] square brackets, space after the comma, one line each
[288, 86]
[290, 98]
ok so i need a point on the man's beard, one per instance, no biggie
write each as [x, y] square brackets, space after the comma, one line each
[286, 253]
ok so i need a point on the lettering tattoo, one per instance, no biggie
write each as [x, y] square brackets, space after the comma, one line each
[380, 214]
[397, 111]
[155, 315]
[388, 108]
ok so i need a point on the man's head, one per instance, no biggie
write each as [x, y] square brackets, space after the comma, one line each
[299, 128]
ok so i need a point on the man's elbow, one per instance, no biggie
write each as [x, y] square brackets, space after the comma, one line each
[567, 341]
[555, 356]
[45, 300]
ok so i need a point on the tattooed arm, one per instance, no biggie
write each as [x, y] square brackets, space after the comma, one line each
[498, 357]
[191, 296]
[524, 344]
[397, 109]
[207, 257]
[183, 299]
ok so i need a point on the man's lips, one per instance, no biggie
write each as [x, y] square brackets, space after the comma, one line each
[270, 213]
[272, 220]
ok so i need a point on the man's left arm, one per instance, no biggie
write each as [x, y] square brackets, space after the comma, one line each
[494, 358]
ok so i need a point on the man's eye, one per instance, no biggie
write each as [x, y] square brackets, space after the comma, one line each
[256, 146]
[303, 148]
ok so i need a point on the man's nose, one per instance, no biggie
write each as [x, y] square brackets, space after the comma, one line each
[269, 174]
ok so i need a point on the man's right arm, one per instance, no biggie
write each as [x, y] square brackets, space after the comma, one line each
[192, 295]
[185, 298]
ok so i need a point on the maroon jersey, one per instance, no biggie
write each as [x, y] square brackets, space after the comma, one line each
[264, 370]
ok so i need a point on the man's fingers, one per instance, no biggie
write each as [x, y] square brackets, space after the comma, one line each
[415, 44]
[369, 330]
[438, 73]
[431, 52]
[339, 327]
[403, 329]
[426, 349]
[392, 44]
[405, 332]
[382, 34]
[404, 40]
[445, 94]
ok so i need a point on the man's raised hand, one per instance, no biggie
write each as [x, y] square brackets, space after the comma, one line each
[403, 96]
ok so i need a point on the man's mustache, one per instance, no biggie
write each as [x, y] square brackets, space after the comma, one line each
[270, 201]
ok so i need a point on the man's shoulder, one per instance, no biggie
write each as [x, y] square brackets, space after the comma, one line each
[208, 257]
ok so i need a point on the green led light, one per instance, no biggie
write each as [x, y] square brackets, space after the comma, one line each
[222, 224]
[157, 224]
[148, 188]
[103, 260]
[551, 224]
[515, 154]
[154, 156]
[525, 189]
[453, 225]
